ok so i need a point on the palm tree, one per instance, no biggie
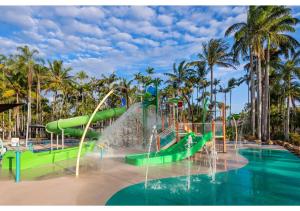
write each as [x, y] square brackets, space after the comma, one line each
[230, 87]
[40, 72]
[59, 80]
[290, 72]
[179, 80]
[26, 56]
[199, 73]
[277, 20]
[215, 53]
[243, 39]
[81, 76]
[125, 88]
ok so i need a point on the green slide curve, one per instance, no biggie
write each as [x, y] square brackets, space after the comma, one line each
[172, 154]
[68, 124]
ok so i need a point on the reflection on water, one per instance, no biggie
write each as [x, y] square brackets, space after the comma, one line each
[272, 177]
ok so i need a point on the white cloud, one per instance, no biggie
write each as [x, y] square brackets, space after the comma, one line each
[132, 12]
[33, 36]
[122, 36]
[94, 66]
[85, 13]
[190, 38]
[165, 19]
[7, 45]
[127, 46]
[74, 26]
[142, 12]
[55, 43]
[169, 42]
[91, 13]
[48, 24]
[145, 41]
[17, 16]
[193, 29]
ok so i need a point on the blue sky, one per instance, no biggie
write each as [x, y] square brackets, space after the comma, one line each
[125, 39]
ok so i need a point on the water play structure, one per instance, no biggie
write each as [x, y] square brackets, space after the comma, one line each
[67, 125]
[173, 138]
[174, 153]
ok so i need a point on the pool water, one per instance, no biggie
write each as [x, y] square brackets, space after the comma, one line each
[272, 177]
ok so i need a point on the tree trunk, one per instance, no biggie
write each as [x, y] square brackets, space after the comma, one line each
[211, 84]
[265, 106]
[189, 106]
[215, 100]
[225, 102]
[28, 134]
[3, 127]
[230, 102]
[287, 125]
[9, 124]
[38, 100]
[17, 117]
[252, 94]
[259, 88]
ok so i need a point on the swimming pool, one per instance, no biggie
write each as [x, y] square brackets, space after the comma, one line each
[272, 177]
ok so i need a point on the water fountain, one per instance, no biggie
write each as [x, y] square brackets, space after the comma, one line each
[213, 157]
[188, 145]
[125, 132]
[153, 135]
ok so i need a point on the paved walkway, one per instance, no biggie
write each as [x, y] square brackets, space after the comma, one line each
[96, 186]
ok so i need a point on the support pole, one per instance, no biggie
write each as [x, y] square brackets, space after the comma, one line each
[62, 139]
[51, 141]
[18, 166]
[177, 132]
[57, 137]
[213, 127]
[158, 143]
[162, 122]
[224, 127]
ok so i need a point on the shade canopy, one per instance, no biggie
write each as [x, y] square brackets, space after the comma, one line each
[4, 107]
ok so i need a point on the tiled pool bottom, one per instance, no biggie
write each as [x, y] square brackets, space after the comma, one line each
[272, 177]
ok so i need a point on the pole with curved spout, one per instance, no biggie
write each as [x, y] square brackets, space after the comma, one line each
[87, 127]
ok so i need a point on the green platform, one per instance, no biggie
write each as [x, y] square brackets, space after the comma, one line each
[30, 159]
[174, 153]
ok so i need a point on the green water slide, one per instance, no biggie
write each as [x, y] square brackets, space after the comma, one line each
[174, 153]
[68, 124]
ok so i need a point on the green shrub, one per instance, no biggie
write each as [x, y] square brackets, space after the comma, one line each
[250, 138]
[295, 138]
[277, 136]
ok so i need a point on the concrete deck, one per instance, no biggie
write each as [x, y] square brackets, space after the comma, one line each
[99, 180]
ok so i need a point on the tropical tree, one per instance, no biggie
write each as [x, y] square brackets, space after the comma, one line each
[290, 72]
[215, 53]
[277, 21]
[179, 80]
[244, 45]
[199, 73]
[59, 81]
[26, 57]
[230, 87]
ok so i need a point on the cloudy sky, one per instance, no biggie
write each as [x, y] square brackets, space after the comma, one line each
[124, 39]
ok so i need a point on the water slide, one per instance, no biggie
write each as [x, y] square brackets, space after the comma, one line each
[68, 124]
[174, 153]
[31, 159]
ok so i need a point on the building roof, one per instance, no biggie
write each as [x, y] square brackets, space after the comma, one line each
[4, 107]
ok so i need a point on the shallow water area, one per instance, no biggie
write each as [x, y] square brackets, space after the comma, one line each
[272, 177]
